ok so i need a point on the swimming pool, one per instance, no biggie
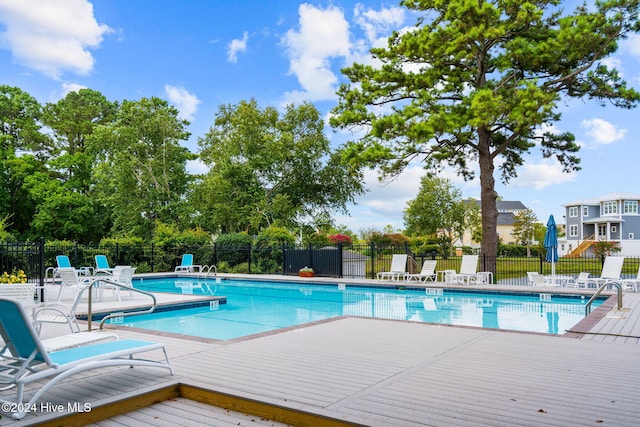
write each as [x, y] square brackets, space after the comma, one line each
[259, 306]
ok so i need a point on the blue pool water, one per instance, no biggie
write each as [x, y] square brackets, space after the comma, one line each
[256, 306]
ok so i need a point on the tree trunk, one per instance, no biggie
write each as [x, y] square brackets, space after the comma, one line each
[488, 197]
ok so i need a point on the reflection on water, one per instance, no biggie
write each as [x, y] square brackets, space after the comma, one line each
[254, 307]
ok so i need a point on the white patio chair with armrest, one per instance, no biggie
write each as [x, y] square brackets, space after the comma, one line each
[70, 279]
[122, 275]
[398, 268]
[55, 313]
[582, 281]
[468, 270]
[428, 272]
[633, 283]
[25, 360]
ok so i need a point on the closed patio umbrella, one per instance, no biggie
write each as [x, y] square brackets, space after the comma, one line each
[551, 244]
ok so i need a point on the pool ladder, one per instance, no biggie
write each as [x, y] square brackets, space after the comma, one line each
[205, 271]
[587, 307]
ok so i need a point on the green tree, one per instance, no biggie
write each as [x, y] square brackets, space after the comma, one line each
[20, 126]
[524, 228]
[439, 209]
[271, 169]
[473, 82]
[141, 172]
[73, 120]
[67, 208]
[20, 130]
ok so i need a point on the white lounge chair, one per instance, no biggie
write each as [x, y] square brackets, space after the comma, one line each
[187, 265]
[536, 279]
[611, 270]
[397, 270]
[24, 358]
[428, 272]
[468, 270]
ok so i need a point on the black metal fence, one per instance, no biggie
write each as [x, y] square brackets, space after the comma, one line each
[358, 261]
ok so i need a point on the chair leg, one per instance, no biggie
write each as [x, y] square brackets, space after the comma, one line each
[60, 293]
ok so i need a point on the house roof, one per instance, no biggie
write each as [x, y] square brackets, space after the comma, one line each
[506, 209]
[611, 196]
[510, 205]
[506, 218]
[507, 205]
[602, 219]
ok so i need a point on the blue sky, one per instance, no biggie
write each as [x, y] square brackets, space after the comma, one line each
[200, 54]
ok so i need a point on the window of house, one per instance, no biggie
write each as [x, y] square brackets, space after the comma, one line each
[610, 208]
[573, 230]
[585, 211]
[630, 207]
[573, 211]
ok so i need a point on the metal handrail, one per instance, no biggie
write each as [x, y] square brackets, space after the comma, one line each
[205, 270]
[587, 307]
[119, 314]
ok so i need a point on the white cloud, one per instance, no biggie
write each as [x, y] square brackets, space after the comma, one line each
[541, 175]
[51, 37]
[631, 45]
[236, 46]
[185, 102]
[71, 87]
[378, 24]
[603, 132]
[323, 34]
[196, 167]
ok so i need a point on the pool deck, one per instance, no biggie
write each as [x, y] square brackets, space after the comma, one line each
[360, 371]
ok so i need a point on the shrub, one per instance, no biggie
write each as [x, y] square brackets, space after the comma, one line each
[233, 248]
[340, 238]
[268, 248]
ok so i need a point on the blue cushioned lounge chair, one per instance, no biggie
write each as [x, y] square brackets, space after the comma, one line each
[102, 265]
[24, 358]
[63, 262]
[187, 264]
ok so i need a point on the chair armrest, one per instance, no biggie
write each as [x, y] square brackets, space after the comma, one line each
[60, 309]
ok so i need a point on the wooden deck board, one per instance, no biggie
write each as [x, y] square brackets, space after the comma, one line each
[390, 373]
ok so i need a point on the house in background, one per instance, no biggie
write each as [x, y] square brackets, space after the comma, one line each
[507, 211]
[612, 218]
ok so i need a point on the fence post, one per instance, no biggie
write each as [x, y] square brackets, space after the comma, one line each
[284, 258]
[340, 260]
[41, 272]
[153, 268]
[373, 260]
[541, 258]
[75, 255]
[249, 252]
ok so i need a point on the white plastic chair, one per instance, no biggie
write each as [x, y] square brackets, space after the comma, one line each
[398, 268]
